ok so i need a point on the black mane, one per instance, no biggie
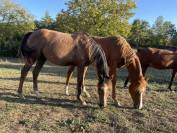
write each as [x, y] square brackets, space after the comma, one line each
[97, 55]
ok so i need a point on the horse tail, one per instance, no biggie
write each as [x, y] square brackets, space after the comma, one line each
[24, 48]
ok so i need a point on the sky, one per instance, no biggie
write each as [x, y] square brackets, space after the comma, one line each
[147, 10]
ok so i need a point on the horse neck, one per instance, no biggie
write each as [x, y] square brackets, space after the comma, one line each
[135, 70]
[99, 58]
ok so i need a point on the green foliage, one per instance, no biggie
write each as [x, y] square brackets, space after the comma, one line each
[140, 33]
[97, 17]
[14, 22]
[162, 33]
[46, 22]
[174, 40]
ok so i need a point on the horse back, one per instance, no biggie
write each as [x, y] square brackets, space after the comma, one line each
[157, 58]
[59, 48]
[113, 48]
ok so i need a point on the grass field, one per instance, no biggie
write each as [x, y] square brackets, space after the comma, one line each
[56, 112]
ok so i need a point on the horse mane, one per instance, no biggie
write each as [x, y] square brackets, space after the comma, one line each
[97, 54]
[127, 53]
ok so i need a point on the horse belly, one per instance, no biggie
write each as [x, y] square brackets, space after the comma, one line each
[162, 64]
[62, 61]
[59, 56]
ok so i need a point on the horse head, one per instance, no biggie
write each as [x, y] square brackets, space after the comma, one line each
[137, 90]
[104, 89]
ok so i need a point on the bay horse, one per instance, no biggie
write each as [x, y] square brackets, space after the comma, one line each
[64, 49]
[119, 53]
[159, 59]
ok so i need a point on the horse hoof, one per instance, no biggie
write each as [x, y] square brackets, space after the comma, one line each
[172, 91]
[21, 96]
[117, 103]
[125, 87]
[84, 104]
[37, 94]
[67, 93]
[66, 90]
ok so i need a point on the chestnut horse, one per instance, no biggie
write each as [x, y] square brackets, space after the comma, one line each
[159, 59]
[119, 53]
[64, 49]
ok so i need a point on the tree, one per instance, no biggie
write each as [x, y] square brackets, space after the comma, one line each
[174, 40]
[140, 33]
[14, 21]
[164, 31]
[97, 17]
[46, 22]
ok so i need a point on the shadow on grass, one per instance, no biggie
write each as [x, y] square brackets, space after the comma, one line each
[57, 102]
[52, 70]
[65, 103]
[43, 81]
[166, 90]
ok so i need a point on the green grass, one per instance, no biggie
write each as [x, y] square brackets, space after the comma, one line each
[56, 112]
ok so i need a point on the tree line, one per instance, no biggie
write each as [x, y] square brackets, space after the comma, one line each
[96, 17]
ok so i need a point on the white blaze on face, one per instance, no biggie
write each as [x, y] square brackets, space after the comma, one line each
[105, 94]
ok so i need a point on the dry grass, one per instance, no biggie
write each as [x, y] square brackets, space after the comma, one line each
[56, 112]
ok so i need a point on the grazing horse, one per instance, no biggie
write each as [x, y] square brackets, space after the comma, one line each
[159, 59]
[64, 49]
[119, 53]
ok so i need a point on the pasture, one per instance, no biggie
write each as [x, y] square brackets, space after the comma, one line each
[56, 112]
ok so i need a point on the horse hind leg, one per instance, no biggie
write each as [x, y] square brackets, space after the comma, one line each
[69, 75]
[113, 75]
[85, 91]
[172, 78]
[80, 73]
[24, 73]
[39, 64]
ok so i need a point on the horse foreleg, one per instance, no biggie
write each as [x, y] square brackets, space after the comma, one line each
[24, 73]
[69, 75]
[83, 85]
[36, 71]
[172, 78]
[80, 78]
[113, 75]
